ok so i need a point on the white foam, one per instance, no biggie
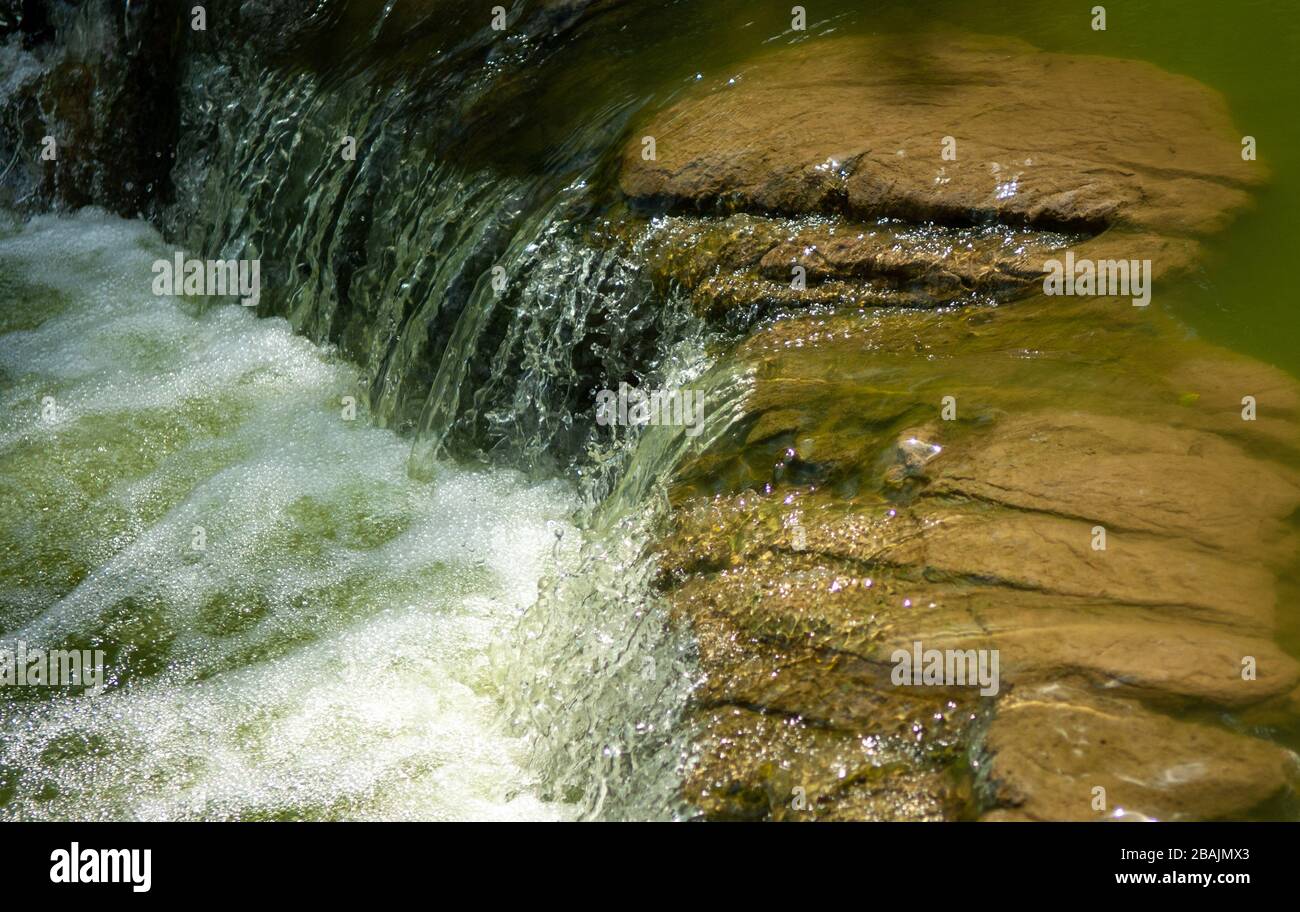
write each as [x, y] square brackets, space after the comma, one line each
[358, 688]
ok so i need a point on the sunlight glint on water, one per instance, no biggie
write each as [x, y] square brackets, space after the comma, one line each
[325, 656]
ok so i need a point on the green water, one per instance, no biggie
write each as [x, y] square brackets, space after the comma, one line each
[1247, 51]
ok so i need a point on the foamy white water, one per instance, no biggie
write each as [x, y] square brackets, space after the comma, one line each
[324, 653]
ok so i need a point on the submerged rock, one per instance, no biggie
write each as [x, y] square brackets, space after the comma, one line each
[878, 172]
[977, 534]
[1057, 754]
[857, 126]
[1064, 482]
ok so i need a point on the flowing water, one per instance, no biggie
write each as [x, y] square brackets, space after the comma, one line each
[320, 649]
[435, 609]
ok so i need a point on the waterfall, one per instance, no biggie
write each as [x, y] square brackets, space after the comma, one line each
[463, 272]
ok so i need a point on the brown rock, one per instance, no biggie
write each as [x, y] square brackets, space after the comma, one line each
[840, 519]
[1128, 475]
[855, 125]
[831, 604]
[763, 766]
[1048, 748]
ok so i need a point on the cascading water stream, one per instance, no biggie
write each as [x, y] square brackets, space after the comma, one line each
[362, 634]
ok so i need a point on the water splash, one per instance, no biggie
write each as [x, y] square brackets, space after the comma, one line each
[324, 654]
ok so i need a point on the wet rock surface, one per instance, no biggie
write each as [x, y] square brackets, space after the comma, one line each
[99, 79]
[933, 451]
[803, 581]
[856, 523]
[1050, 748]
[855, 126]
[754, 265]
